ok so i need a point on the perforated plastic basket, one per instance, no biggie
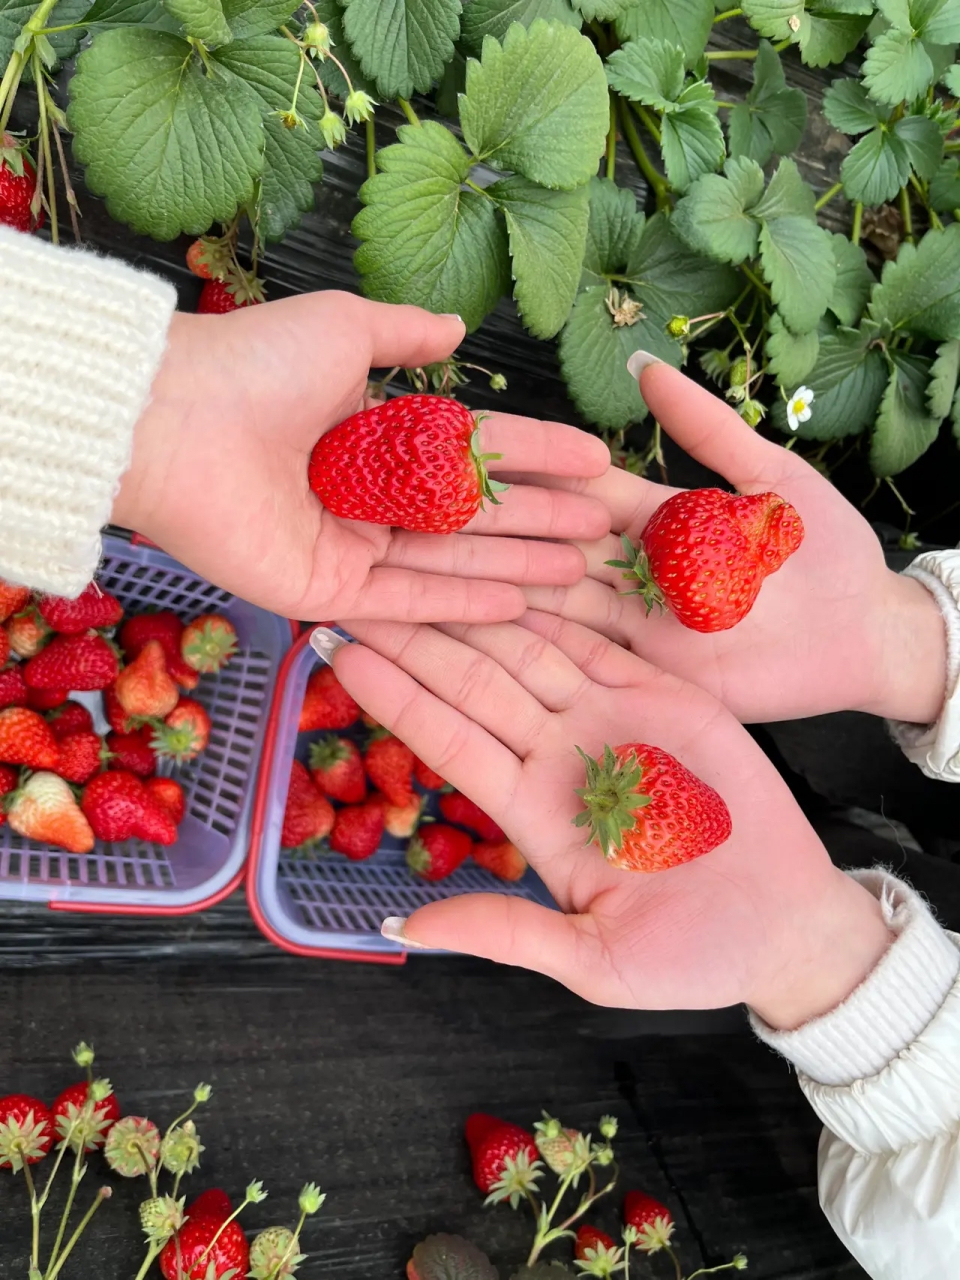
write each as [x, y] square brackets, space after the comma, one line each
[208, 860]
[326, 905]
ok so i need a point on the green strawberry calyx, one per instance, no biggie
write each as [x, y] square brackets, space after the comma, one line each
[418, 856]
[488, 488]
[610, 798]
[636, 568]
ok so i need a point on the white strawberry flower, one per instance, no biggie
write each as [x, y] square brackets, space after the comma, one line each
[798, 407]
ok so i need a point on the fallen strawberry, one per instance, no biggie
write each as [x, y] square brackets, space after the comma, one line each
[27, 633]
[184, 733]
[412, 463]
[337, 768]
[166, 628]
[389, 765]
[69, 1118]
[12, 599]
[705, 554]
[8, 782]
[651, 1219]
[168, 793]
[496, 1145]
[592, 1244]
[208, 259]
[26, 738]
[208, 643]
[81, 756]
[68, 718]
[46, 699]
[218, 297]
[213, 1204]
[503, 860]
[308, 816]
[437, 851]
[145, 688]
[119, 807]
[26, 1130]
[647, 811]
[428, 778]
[85, 662]
[204, 1249]
[357, 830]
[457, 808]
[92, 610]
[44, 809]
[326, 704]
[13, 687]
[18, 181]
[133, 752]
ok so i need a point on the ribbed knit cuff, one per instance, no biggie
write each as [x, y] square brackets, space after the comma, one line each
[81, 339]
[890, 1009]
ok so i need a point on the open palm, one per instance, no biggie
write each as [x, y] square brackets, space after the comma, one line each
[220, 470]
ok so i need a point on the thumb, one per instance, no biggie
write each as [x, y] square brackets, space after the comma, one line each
[407, 336]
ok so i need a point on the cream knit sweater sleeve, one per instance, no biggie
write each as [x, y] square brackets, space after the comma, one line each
[81, 338]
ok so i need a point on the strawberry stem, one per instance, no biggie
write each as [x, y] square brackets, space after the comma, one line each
[34, 1217]
[103, 1194]
[148, 1261]
[78, 1172]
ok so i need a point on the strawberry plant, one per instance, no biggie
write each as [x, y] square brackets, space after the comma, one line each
[199, 116]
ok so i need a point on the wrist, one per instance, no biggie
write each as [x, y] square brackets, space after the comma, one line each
[911, 664]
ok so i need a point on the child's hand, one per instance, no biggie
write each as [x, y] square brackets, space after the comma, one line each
[219, 474]
[832, 629]
[499, 710]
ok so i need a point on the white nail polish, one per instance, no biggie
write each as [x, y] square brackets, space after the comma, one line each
[639, 361]
[392, 930]
[325, 643]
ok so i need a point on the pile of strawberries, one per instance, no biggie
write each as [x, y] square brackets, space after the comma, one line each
[61, 782]
[355, 788]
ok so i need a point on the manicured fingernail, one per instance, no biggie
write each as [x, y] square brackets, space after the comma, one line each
[325, 643]
[452, 315]
[392, 930]
[639, 361]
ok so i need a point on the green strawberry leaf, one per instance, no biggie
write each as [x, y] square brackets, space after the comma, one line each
[648, 71]
[920, 292]
[935, 21]
[904, 429]
[424, 239]
[248, 18]
[798, 263]
[614, 232]
[943, 380]
[828, 33]
[603, 10]
[140, 13]
[923, 143]
[772, 17]
[847, 381]
[269, 65]
[849, 108]
[897, 67]
[201, 19]
[494, 17]
[331, 15]
[786, 194]
[713, 217]
[685, 23]
[402, 45]
[691, 141]
[452, 84]
[669, 279]
[945, 186]
[172, 146]
[772, 119]
[854, 281]
[789, 357]
[876, 168]
[446, 1257]
[537, 104]
[15, 14]
[547, 232]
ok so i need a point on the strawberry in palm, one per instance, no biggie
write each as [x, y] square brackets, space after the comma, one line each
[437, 851]
[44, 809]
[705, 554]
[647, 811]
[337, 769]
[411, 463]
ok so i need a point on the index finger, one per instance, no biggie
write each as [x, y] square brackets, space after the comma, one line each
[553, 448]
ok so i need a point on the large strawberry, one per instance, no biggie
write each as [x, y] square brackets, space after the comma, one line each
[133, 752]
[12, 599]
[437, 851]
[705, 554]
[81, 756]
[326, 703]
[26, 738]
[68, 718]
[495, 1145]
[184, 733]
[308, 816]
[461, 810]
[412, 463]
[337, 769]
[166, 628]
[84, 662]
[647, 811]
[503, 860]
[13, 687]
[652, 1220]
[357, 830]
[69, 1117]
[44, 809]
[92, 609]
[8, 782]
[119, 807]
[18, 181]
[192, 1254]
[26, 1131]
[389, 765]
[145, 688]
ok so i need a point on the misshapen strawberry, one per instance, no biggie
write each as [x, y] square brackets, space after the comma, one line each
[82, 663]
[18, 181]
[461, 810]
[208, 643]
[92, 610]
[192, 1255]
[26, 1131]
[69, 1117]
[326, 703]
[437, 851]
[68, 718]
[145, 688]
[168, 793]
[495, 1145]
[119, 807]
[13, 687]
[26, 738]
[167, 629]
[337, 768]
[503, 860]
[44, 809]
[133, 752]
[184, 733]
[357, 830]
[705, 554]
[412, 463]
[81, 756]
[12, 599]
[389, 765]
[308, 816]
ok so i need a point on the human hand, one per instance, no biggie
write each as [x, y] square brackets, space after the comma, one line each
[832, 629]
[219, 472]
[499, 711]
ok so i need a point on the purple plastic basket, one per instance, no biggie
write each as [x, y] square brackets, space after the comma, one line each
[326, 905]
[209, 855]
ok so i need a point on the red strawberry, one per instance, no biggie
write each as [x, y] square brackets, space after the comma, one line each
[73, 662]
[195, 1259]
[705, 553]
[26, 738]
[44, 809]
[218, 297]
[457, 808]
[119, 807]
[133, 752]
[26, 1128]
[504, 860]
[18, 181]
[66, 1113]
[337, 769]
[117, 718]
[145, 687]
[590, 1242]
[27, 633]
[653, 1220]
[68, 718]
[428, 778]
[8, 783]
[492, 1144]
[357, 830]
[309, 815]
[12, 599]
[213, 1204]
[81, 756]
[647, 811]
[437, 850]
[412, 463]
[4, 647]
[208, 643]
[208, 259]
[184, 733]
[402, 820]
[46, 699]
[168, 793]
[93, 609]
[13, 687]
[389, 765]
[326, 704]
[166, 628]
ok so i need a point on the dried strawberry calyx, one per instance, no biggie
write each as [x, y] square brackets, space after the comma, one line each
[636, 567]
[488, 488]
[610, 798]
